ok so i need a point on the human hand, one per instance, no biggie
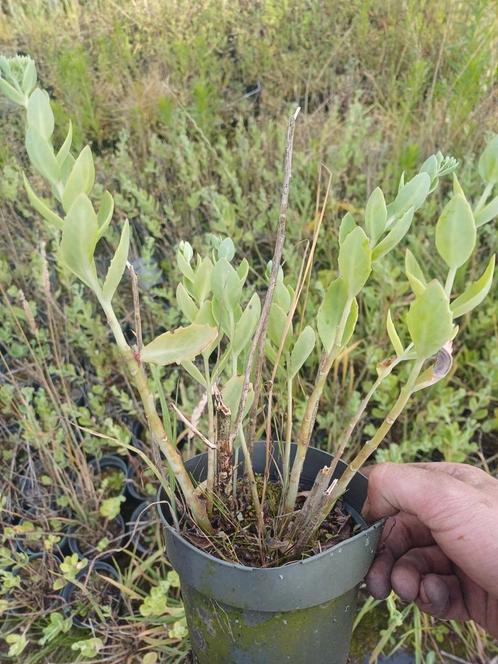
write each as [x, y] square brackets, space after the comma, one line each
[439, 546]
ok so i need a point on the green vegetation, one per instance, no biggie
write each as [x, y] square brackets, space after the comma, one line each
[185, 111]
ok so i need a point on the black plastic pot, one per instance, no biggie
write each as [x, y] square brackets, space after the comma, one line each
[60, 548]
[67, 593]
[297, 613]
[112, 461]
[75, 547]
[132, 489]
[50, 600]
[142, 517]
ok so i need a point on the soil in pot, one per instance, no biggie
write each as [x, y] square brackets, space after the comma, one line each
[94, 598]
[236, 539]
[42, 531]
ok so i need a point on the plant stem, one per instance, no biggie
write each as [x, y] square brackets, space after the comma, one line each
[288, 436]
[159, 436]
[449, 280]
[311, 410]
[252, 481]
[260, 334]
[211, 472]
[369, 448]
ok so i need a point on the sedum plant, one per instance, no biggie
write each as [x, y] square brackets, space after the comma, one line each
[232, 338]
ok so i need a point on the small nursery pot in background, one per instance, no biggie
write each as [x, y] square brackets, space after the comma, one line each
[142, 526]
[297, 613]
[76, 546]
[105, 594]
[112, 461]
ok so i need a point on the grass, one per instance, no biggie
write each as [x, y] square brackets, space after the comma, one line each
[185, 104]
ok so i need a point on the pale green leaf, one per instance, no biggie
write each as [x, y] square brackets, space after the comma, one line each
[355, 261]
[180, 345]
[66, 146]
[66, 168]
[243, 270]
[226, 249]
[429, 320]
[347, 225]
[79, 237]
[40, 115]
[330, 312]
[41, 207]
[277, 322]
[414, 273]
[375, 215]
[282, 296]
[186, 304]
[193, 371]
[246, 325]
[11, 93]
[17, 643]
[475, 293]
[118, 264]
[29, 77]
[351, 321]
[393, 335]
[225, 283]
[183, 258]
[398, 231]
[41, 155]
[488, 163]
[81, 179]
[302, 350]
[487, 213]
[205, 315]
[201, 281]
[456, 232]
[232, 393]
[104, 215]
[430, 166]
[457, 187]
[411, 195]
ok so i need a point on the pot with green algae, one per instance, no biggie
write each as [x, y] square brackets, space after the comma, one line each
[297, 613]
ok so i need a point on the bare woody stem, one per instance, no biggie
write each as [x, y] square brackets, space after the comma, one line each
[159, 436]
[257, 346]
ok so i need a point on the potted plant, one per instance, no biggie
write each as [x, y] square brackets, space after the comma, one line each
[267, 537]
[99, 528]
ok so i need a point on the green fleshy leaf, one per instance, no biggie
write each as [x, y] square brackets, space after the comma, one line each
[398, 231]
[118, 264]
[375, 215]
[355, 261]
[180, 345]
[41, 207]
[475, 293]
[456, 232]
[302, 350]
[40, 115]
[79, 238]
[429, 320]
[330, 312]
[246, 325]
[393, 335]
[81, 179]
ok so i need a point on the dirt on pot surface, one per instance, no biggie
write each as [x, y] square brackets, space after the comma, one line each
[236, 536]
